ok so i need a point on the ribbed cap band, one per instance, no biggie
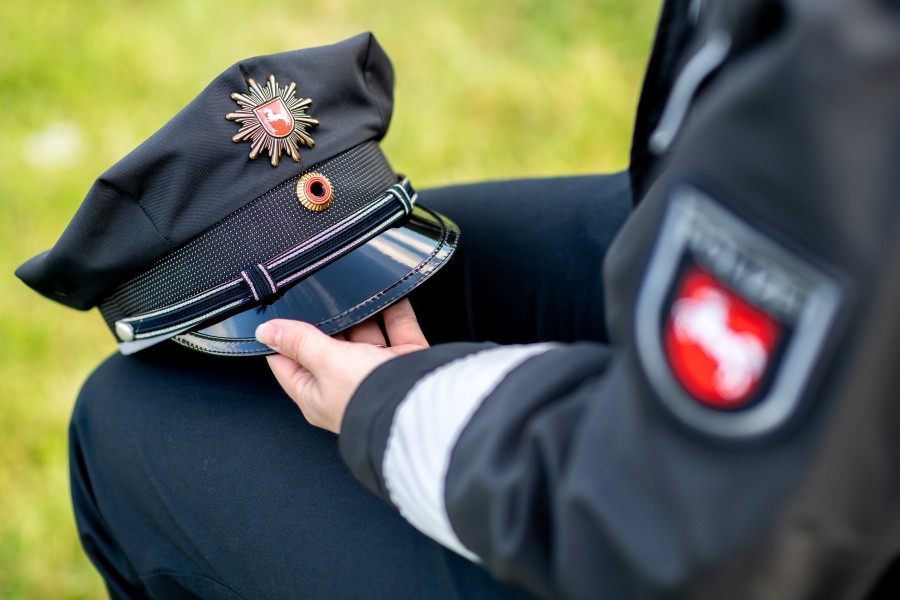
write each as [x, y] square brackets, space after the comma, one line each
[256, 233]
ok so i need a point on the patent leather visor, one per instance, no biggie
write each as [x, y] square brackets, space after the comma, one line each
[345, 292]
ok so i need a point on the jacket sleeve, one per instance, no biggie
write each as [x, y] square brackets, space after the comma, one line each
[731, 442]
[548, 464]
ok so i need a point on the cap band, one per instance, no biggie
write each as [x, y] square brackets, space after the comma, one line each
[266, 227]
[259, 282]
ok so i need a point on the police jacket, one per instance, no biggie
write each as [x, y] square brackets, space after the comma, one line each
[735, 439]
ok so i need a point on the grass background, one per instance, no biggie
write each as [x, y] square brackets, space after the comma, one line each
[485, 91]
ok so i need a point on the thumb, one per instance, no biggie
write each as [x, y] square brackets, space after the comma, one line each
[299, 341]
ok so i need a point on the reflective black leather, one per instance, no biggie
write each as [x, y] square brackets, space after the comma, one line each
[345, 292]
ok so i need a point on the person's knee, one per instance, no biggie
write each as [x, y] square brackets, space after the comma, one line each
[102, 408]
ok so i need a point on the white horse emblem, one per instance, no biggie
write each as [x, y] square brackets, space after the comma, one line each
[273, 117]
[740, 356]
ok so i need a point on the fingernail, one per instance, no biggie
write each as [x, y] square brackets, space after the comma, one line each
[268, 334]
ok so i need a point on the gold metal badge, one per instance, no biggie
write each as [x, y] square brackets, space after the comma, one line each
[314, 191]
[273, 119]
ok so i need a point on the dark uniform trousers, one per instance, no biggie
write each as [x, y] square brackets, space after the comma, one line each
[196, 476]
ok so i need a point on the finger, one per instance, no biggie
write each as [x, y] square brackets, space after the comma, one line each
[401, 325]
[299, 341]
[367, 332]
[339, 337]
[295, 379]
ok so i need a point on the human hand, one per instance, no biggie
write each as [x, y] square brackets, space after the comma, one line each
[321, 373]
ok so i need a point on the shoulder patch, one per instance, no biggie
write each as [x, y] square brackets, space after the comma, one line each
[730, 323]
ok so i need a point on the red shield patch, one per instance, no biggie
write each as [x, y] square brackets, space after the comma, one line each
[718, 345]
[731, 327]
[275, 118]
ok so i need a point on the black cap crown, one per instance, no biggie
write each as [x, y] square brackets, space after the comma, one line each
[190, 175]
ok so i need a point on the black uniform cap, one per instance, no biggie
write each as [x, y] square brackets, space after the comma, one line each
[188, 212]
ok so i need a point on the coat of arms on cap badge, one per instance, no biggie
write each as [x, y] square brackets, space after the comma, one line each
[730, 323]
[273, 119]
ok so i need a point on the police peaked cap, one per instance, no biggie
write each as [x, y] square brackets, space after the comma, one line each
[267, 196]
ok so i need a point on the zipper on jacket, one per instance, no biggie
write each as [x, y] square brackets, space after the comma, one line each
[695, 9]
[704, 63]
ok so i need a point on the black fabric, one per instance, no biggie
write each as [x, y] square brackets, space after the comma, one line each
[800, 136]
[190, 175]
[542, 286]
[522, 441]
[673, 35]
[366, 426]
[262, 289]
[541, 280]
[796, 136]
[576, 485]
[684, 27]
[195, 476]
[255, 233]
[259, 283]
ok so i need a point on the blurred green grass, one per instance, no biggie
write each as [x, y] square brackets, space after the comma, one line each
[485, 91]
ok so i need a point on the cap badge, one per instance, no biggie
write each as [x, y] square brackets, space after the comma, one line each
[314, 191]
[273, 119]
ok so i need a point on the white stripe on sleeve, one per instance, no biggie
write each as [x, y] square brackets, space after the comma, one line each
[425, 429]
